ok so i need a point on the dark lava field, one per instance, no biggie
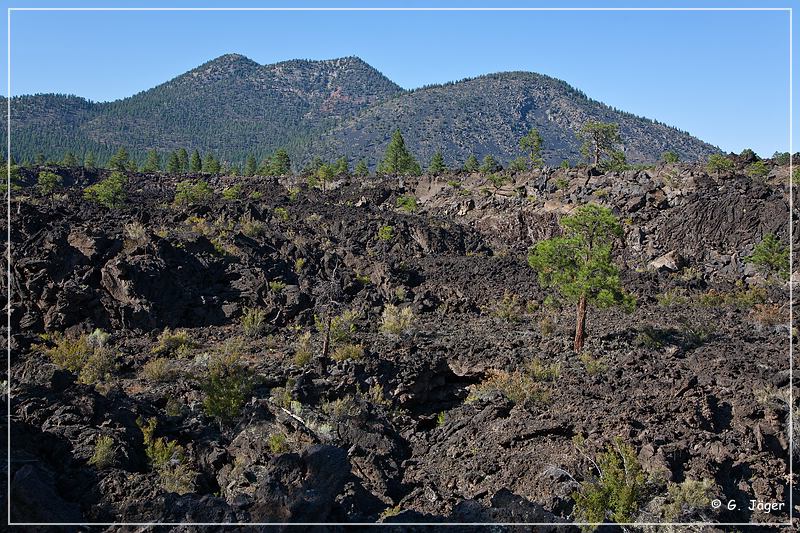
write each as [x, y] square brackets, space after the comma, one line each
[381, 351]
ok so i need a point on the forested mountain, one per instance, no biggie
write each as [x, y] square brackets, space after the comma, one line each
[233, 107]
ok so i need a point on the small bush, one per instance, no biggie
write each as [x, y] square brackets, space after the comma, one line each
[281, 213]
[84, 355]
[618, 490]
[757, 170]
[233, 192]
[168, 459]
[135, 235]
[227, 384]
[282, 396]
[518, 387]
[190, 192]
[547, 326]
[98, 367]
[299, 263]
[253, 321]
[543, 372]
[251, 227]
[158, 370]
[341, 408]
[593, 365]
[396, 320]
[771, 257]
[441, 418]
[385, 233]
[683, 498]
[407, 203]
[103, 455]
[173, 343]
[277, 443]
[346, 352]
[375, 395]
[48, 182]
[109, 192]
[342, 326]
[277, 286]
[303, 349]
[508, 308]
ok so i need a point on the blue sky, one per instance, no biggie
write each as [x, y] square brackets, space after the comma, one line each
[722, 76]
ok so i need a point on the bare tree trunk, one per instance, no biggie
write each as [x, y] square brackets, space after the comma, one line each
[322, 360]
[580, 325]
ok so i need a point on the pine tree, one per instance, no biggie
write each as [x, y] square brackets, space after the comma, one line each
[210, 164]
[195, 164]
[362, 170]
[153, 162]
[580, 264]
[341, 167]
[120, 161]
[69, 160]
[598, 139]
[250, 166]
[471, 165]
[280, 164]
[183, 159]
[173, 163]
[88, 161]
[489, 165]
[39, 159]
[132, 165]
[532, 145]
[437, 164]
[398, 160]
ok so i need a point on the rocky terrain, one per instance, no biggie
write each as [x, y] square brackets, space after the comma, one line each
[234, 107]
[452, 393]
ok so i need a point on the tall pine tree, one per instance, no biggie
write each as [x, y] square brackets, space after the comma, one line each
[153, 162]
[398, 160]
[195, 164]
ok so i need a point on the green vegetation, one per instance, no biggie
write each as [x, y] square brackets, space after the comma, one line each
[396, 320]
[718, 163]
[303, 350]
[120, 161]
[407, 203]
[281, 213]
[227, 384]
[48, 182]
[361, 170]
[531, 144]
[277, 443]
[109, 192]
[173, 343]
[670, 157]
[386, 233]
[618, 490]
[471, 165]
[158, 370]
[489, 166]
[580, 264]
[190, 192]
[397, 159]
[167, 458]
[88, 356]
[233, 192]
[103, 455]
[253, 321]
[781, 158]
[757, 170]
[437, 166]
[687, 496]
[152, 163]
[347, 352]
[771, 257]
[520, 388]
[598, 139]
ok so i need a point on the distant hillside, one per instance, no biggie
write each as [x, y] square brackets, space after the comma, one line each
[232, 106]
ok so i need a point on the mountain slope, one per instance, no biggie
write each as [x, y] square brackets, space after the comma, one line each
[233, 106]
[489, 115]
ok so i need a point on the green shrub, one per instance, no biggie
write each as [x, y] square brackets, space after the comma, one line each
[84, 355]
[158, 369]
[253, 321]
[518, 387]
[543, 372]
[385, 233]
[342, 326]
[346, 352]
[771, 257]
[233, 192]
[508, 308]
[173, 343]
[282, 396]
[594, 365]
[375, 395]
[616, 492]
[341, 408]
[48, 182]
[227, 384]
[281, 213]
[103, 455]
[168, 459]
[277, 443]
[757, 170]
[277, 286]
[441, 418]
[396, 320]
[109, 192]
[299, 263]
[547, 326]
[407, 203]
[189, 192]
[685, 497]
[251, 227]
[98, 367]
[303, 349]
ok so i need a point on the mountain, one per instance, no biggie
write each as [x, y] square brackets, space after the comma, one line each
[233, 106]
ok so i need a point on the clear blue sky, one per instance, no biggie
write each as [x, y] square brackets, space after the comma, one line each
[722, 76]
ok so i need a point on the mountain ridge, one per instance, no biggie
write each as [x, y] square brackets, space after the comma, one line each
[234, 106]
